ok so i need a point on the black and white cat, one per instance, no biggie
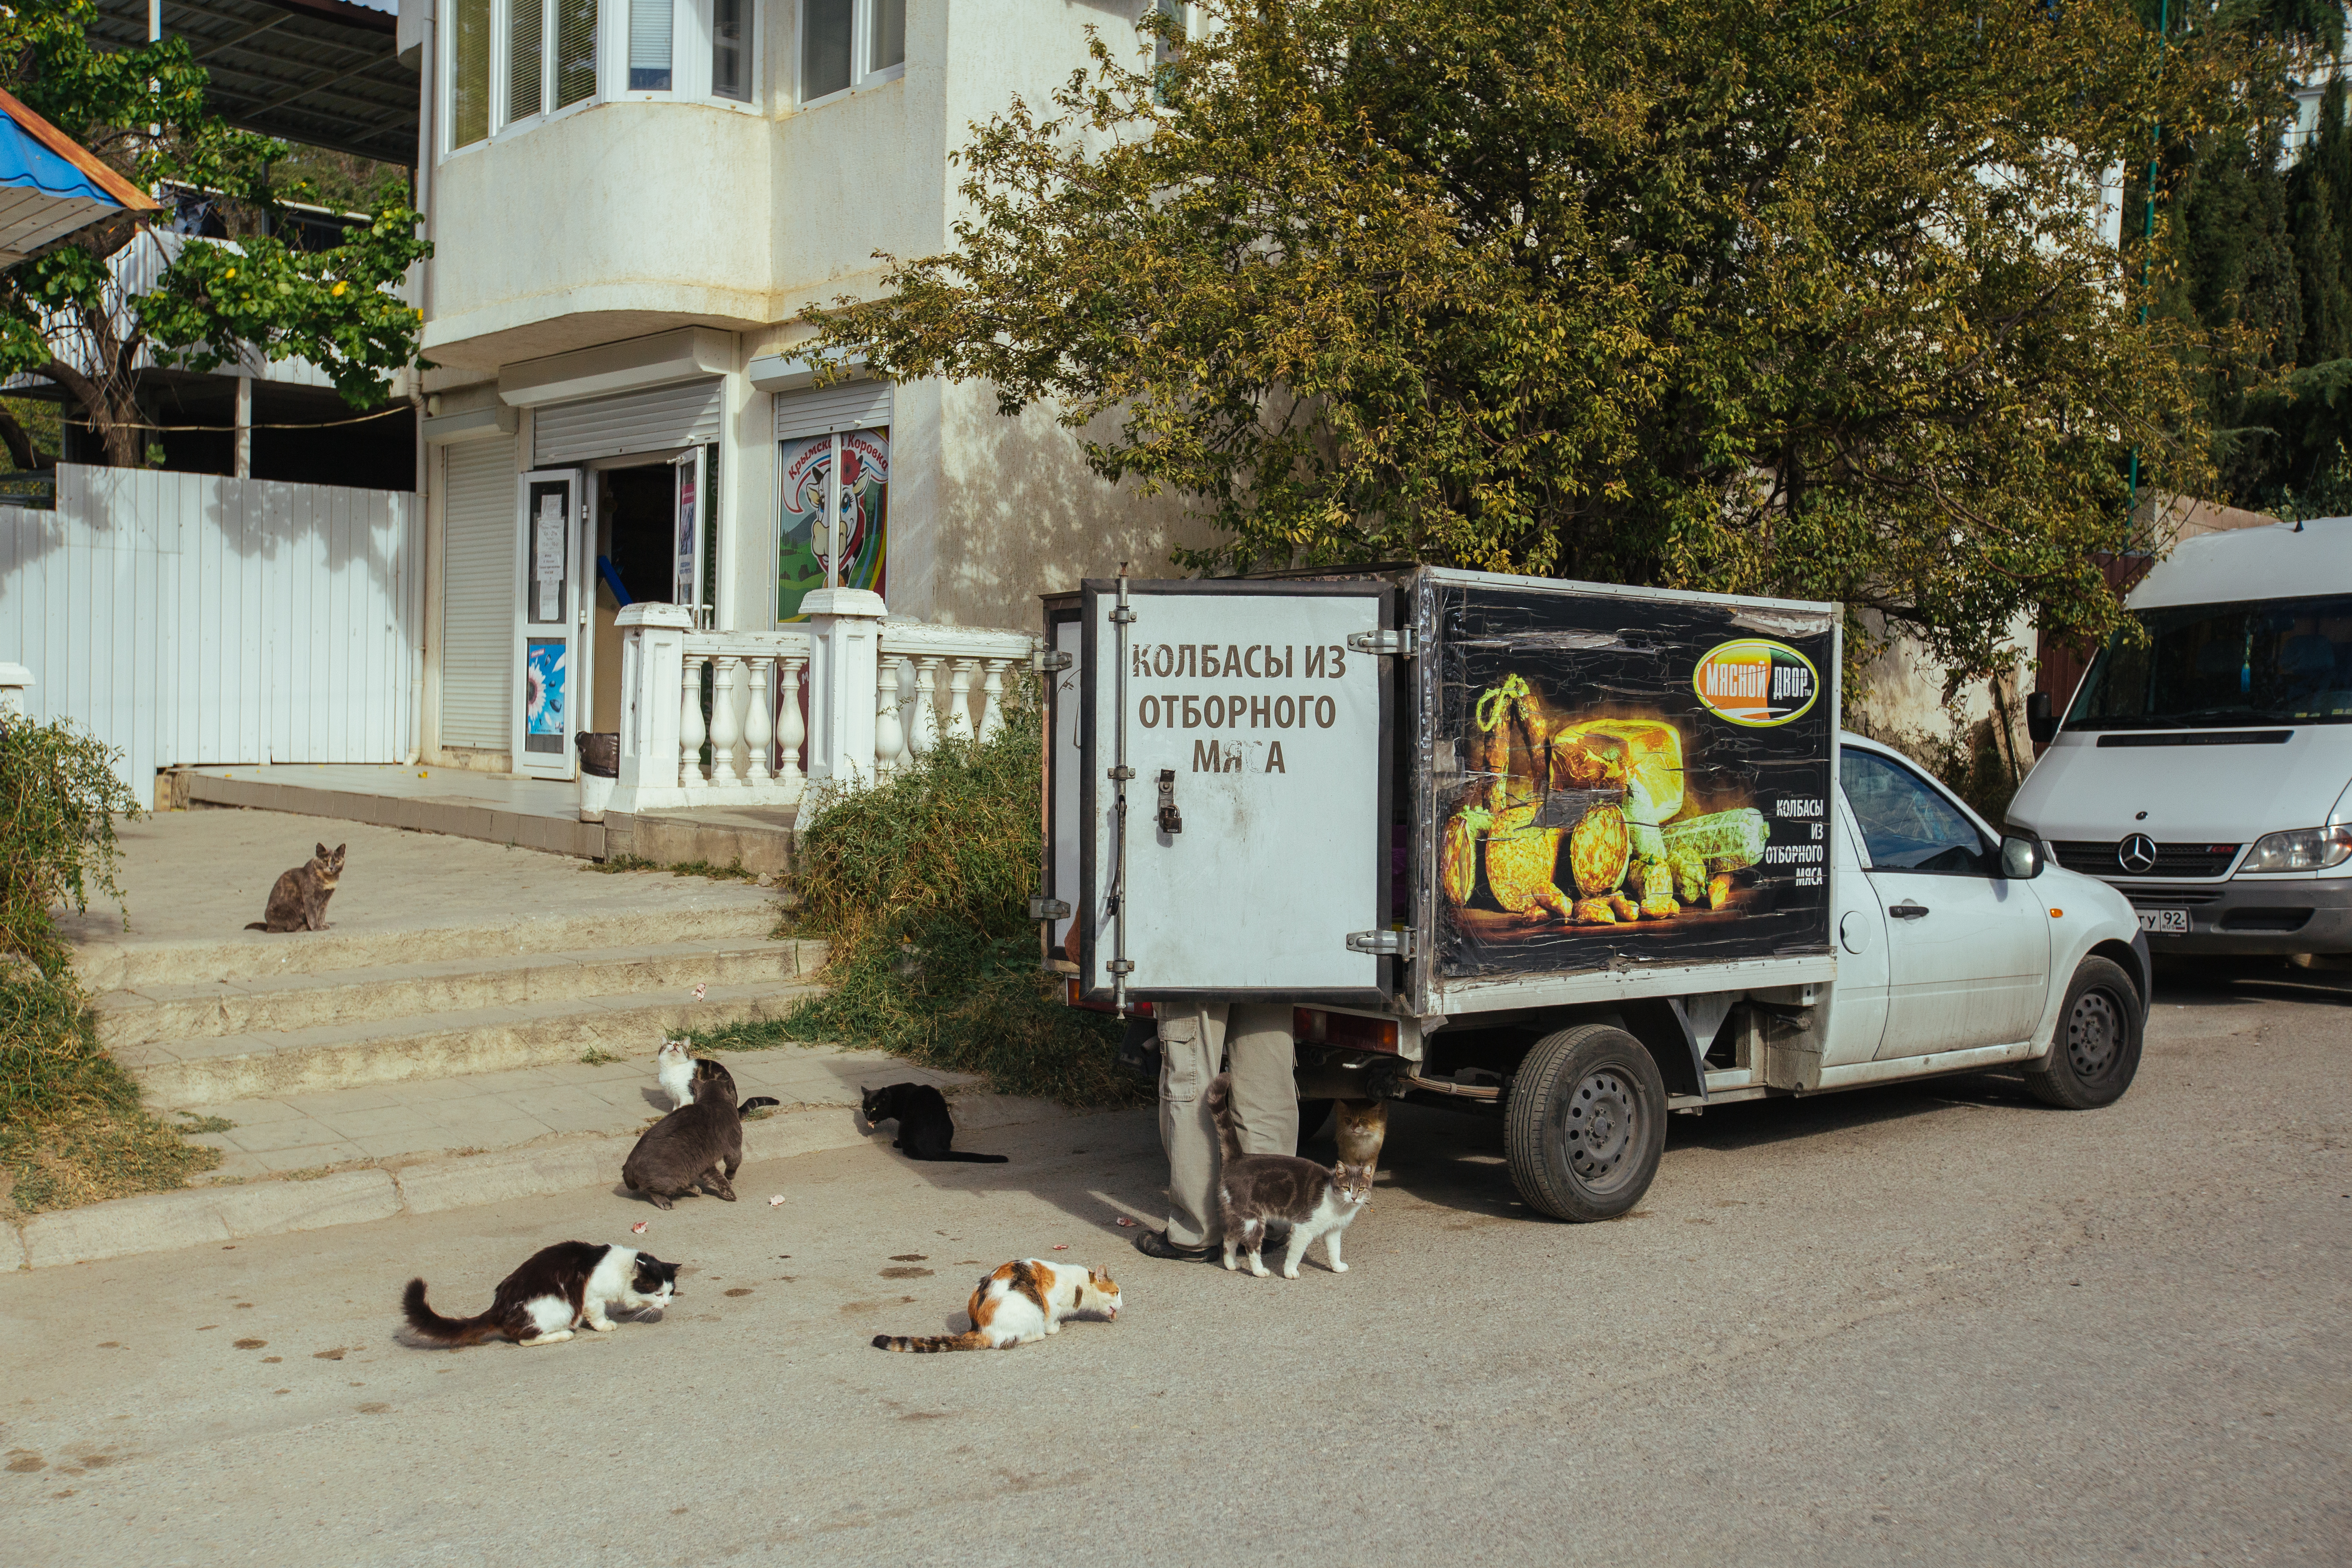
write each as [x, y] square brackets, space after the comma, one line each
[925, 1130]
[573, 1284]
[1256, 1191]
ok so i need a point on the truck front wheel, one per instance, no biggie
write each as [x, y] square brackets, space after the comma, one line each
[1586, 1123]
[2096, 1053]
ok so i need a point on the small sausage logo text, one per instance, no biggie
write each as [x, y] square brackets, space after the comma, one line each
[1755, 682]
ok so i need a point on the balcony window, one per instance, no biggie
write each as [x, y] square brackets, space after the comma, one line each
[850, 43]
[469, 71]
[649, 39]
[731, 50]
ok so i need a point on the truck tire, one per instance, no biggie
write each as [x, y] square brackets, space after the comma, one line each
[2096, 1051]
[1586, 1123]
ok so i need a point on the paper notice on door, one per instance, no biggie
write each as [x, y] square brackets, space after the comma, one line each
[547, 557]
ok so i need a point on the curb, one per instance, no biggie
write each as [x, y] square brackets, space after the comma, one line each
[166, 1222]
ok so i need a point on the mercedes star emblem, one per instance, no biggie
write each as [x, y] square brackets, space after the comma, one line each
[2137, 854]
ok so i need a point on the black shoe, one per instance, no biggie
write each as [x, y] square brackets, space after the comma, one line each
[1155, 1244]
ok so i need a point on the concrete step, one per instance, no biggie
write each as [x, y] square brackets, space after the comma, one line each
[203, 1009]
[527, 1108]
[209, 1069]
[111, 963]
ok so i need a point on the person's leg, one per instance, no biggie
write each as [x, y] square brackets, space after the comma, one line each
[1265, 1095]
[1192, 1041]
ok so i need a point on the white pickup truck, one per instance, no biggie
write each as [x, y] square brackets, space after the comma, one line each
[1574, 855]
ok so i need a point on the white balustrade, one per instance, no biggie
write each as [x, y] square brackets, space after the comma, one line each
[851, 697]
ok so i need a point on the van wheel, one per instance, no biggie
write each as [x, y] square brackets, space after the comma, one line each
[1586, 1123]
[2096, 1053]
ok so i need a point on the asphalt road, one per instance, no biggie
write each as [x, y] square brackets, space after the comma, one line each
[1936, 1323]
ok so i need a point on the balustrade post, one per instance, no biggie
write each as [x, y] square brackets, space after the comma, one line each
[844, 627]
[691, 732]
[758, 721]
[889, 730]
[958, 725]
[992, 697]
[652, 645]
[791, 730]
[726, 724]
[926, 738]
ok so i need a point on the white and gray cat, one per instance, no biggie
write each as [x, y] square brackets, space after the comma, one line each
[1256, 1190]
[679, 1070]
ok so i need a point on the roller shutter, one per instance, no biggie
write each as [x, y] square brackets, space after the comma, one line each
[477, 593]
[821, 410]
[655, 419]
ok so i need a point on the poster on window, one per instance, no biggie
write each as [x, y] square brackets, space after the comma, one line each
[545, 669]
[809, 483]
[1630, 781]
[687, 578]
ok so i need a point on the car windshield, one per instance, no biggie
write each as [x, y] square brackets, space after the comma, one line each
[2281, 661]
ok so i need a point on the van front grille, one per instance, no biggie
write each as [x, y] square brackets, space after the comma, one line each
[2097, 858]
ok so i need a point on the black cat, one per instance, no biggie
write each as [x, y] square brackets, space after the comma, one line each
[925, 1128]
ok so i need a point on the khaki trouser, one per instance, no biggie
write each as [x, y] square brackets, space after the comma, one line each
[1195, 1038]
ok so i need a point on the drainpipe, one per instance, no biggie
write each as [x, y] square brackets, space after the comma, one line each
[2148, 226]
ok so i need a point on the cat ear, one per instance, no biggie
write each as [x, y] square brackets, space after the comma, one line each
[323, 852]
[339, 848]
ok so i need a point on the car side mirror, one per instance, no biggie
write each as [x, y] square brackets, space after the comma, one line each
[2020, 858]
[2040, 722]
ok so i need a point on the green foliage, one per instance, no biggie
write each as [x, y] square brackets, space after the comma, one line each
[1795, 298]
[61, 315]
[921, 886]
[71, 1128]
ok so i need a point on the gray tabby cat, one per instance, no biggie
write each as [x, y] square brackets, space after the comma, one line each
[297, 901]
[698, 1145]
[1256, 1190]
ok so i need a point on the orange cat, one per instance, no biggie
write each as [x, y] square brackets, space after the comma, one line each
[1361, 1125]
[1019, 1304]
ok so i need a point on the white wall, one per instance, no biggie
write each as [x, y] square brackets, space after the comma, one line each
[185, 618]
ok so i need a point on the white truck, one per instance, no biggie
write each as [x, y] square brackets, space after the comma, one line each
[1573, 855]
[2204, 766]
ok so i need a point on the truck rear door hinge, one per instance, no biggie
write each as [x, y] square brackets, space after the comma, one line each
[1048, 909]
[1398, 644]
[1389, 943]
[1049, 661]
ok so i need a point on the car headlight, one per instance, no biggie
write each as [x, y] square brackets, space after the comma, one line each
[2301, 849]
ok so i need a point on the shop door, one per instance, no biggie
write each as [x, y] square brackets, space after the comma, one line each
[553, 645]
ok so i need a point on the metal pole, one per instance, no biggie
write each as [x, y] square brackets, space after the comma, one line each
[1121, 617]
[2147, 226]
[245, 426]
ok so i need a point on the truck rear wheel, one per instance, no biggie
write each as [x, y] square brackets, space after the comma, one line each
[2096, 1053]
[1586, 1123]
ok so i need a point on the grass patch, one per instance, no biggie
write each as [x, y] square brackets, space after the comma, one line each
[71, 1127]
[733, 871]
[596, 1056]
[191, 1122]
[920, 885]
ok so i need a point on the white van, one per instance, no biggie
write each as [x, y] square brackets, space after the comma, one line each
[2206, 771]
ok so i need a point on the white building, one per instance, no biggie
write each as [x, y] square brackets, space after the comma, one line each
[630, 200]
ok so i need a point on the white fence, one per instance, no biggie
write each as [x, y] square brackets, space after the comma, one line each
[188, 619]
[850, 696]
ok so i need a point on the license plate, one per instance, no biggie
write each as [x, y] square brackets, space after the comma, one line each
[2165, 922]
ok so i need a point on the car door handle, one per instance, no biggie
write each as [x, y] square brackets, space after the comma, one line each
[1907, 911]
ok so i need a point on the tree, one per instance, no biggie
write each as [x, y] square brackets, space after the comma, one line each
[1800, 297]
[65, 318]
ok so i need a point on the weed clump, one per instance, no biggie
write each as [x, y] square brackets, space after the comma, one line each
[71, 1128]
[921, 886]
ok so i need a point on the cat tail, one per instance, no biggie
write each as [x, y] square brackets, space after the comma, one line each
[257, 925]
[431, 1325]
[969, 1339]
[1220, 1111]
[757, 1102]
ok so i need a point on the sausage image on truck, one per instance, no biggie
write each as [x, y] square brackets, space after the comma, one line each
[1573, 855]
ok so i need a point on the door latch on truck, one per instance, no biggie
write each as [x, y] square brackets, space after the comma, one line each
[1049, 661]
[1049, 910]
[1387, 943]
[1171, 821]
[1398, 644]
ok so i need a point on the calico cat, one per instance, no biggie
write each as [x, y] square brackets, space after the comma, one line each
[1256, 1190]
[699, 1144]
[679, 1069]
[925, 1128]
[297, 900]
[1361, 1126]
[573, 1284]
[1020, 1303]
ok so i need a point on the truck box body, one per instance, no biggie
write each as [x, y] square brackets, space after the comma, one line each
[1564, 789]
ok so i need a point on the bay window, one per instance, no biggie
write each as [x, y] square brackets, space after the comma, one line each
[510, 62]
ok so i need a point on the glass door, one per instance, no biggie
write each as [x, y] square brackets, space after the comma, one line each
[552, 641]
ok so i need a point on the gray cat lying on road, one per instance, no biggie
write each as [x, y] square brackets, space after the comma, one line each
[297, 901]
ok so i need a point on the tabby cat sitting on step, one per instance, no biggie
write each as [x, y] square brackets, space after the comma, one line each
[297, 901]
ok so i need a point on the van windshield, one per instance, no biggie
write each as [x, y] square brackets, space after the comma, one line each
[2279, 661]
